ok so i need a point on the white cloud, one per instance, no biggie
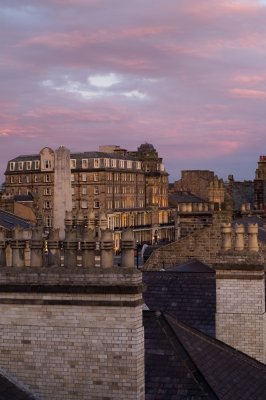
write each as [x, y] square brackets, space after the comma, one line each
[104, 81]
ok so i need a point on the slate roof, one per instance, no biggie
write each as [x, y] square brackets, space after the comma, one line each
[232, 375]
[184, 364]
[10, 221]
[189, 296]
[193, 265]
[11, 391]
[169, 373]
[184, 197]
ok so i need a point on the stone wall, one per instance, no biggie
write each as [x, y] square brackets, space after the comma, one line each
[73, 335]
[204, 245]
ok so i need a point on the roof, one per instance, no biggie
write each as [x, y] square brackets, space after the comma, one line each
[230, 373]
[193, 265]
[10, 390]
[184, 363]
[23, 198]
[189, 296]
[10, 221]
[184, 197]
[169, 372]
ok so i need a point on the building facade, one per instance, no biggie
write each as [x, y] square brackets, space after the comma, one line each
[125, 188]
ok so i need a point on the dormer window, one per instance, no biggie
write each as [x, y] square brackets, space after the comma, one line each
[20, 165]
[12, 166]
[28, 165]
[121, 163]
[37, 164]
[73, 163]
[47, 164]
[96, 162]
[84, 163]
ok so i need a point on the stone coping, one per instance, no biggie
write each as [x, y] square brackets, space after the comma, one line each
[239, 267]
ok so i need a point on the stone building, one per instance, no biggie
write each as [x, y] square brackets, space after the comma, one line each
[119, 187]
[260, 184]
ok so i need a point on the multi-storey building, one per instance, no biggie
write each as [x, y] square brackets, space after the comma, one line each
[260, 184]
[129, 188]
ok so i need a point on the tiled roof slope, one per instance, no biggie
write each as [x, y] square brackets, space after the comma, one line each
[231, 374]
[193, 265]
[190, 297]
[10, 391]
[10, 221]
[169, 372]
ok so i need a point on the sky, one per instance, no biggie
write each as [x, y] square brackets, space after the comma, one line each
[188, 76]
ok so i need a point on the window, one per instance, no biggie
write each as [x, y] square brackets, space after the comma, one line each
[28, 165]
[96, 177]
[96, 163]
[19, 179]
[129, 164]
[73, 191]
[106, 162]
[109, 176]
[37, 164]
[47, 164]
[47, 191]
[48, 221]
[27, 179]
[47, 178]
[47, 204]
[84, 190]
[96, 190]
[96, 204]
[113, 163]
[85, 163]
[84, 204]
[83, 177]
[109, 189]
[73, 163]
[121, 163]
[117, 204]
[11, 179]
[12, 166]
[116, 176]
[72, 177]
[138, 165]
[35, 178]
[110, 204]
[20, 165]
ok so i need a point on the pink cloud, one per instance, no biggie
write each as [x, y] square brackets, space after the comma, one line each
[248, 93]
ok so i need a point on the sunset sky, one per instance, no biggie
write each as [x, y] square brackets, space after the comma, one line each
[188, 76]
